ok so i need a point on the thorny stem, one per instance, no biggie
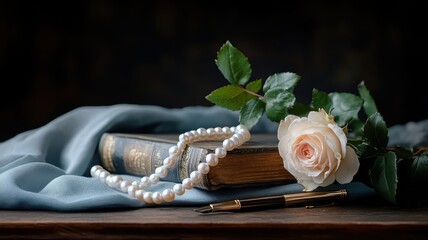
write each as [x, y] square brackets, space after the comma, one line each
[418, 152]
[421, 150]
[252, 93]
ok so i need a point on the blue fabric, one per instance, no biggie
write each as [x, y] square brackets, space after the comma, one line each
[48, 168]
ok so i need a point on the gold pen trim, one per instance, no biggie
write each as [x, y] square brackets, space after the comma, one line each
[315, 197]
[226, 206]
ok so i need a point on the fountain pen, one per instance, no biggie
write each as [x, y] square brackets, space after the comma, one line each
[279, 201]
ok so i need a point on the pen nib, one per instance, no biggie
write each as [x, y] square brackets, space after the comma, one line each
[205, 209]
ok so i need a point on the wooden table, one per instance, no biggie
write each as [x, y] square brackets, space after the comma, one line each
[331, 222]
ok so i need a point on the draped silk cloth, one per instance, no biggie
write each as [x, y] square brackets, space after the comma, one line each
[48, 168]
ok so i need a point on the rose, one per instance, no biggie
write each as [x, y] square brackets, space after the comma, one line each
[314, 150]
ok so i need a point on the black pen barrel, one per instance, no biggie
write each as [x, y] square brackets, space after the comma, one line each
[263, 202]
[293, 199]
[315, 198]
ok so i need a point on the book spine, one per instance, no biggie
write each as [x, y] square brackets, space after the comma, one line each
[139, 157]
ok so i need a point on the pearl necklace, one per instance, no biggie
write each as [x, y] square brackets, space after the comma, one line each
[235, 137]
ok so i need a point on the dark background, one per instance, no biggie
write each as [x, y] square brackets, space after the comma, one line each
[56, 56]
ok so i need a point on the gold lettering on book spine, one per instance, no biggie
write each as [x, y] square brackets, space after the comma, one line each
[137, 158]
[107, 153]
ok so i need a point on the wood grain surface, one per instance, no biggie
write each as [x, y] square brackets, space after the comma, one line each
[332, 222]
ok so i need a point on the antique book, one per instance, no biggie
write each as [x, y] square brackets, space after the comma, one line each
[257, 162]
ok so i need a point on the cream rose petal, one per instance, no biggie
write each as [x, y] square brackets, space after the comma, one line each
[328, 162]
[290, 166]
[348, 167]
[284, 125]
[298, 127]
[315, 163]
[314, 150]
[319, 117]
[340, 135]
[285, 147]
[308, 185]
[287, 154]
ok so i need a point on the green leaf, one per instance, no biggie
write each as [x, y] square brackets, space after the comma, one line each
[383, 175]
[320, 99]
[366, 151]
[255, 86]
[278, 102]
[419, 170]
[284, 81]
[251, 112]
[369, 104]
[233, 64]
[355, 142]
[345, 106]
[355, 127]
[300, 109]
[403, 153]
[376, 132]
[230, 96]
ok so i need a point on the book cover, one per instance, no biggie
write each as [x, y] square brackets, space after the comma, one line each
[257, 162]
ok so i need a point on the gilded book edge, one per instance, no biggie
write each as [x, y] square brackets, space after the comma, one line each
[107, 150]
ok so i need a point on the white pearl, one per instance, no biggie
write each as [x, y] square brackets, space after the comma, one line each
[211, 159]
[145, 182]
[228, 145]
[103, 176]
[242, 127]
[202, 132]
[157, 197]
[148, 197]
[190, 137]
[115, 181]
[154, 179]
[233, 129]
[227, 131]
[168, 195]
[161, 171]
[178, 189]
[124, 185]
[93, 169]
[131, 190]
[104, 173]
[108, 180]
[195, 177]
[174, 158]
[247, 136]
[203, 168]
[220, 152]
[235, 140]
[169, 162]
[135, 183]
[181, 145]
[219, 131]
[139, 194]
[195, 135]
[211, 133]
[174, 151]
[187, 183]
[241, 137]
[98, 172]
[183, 138]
